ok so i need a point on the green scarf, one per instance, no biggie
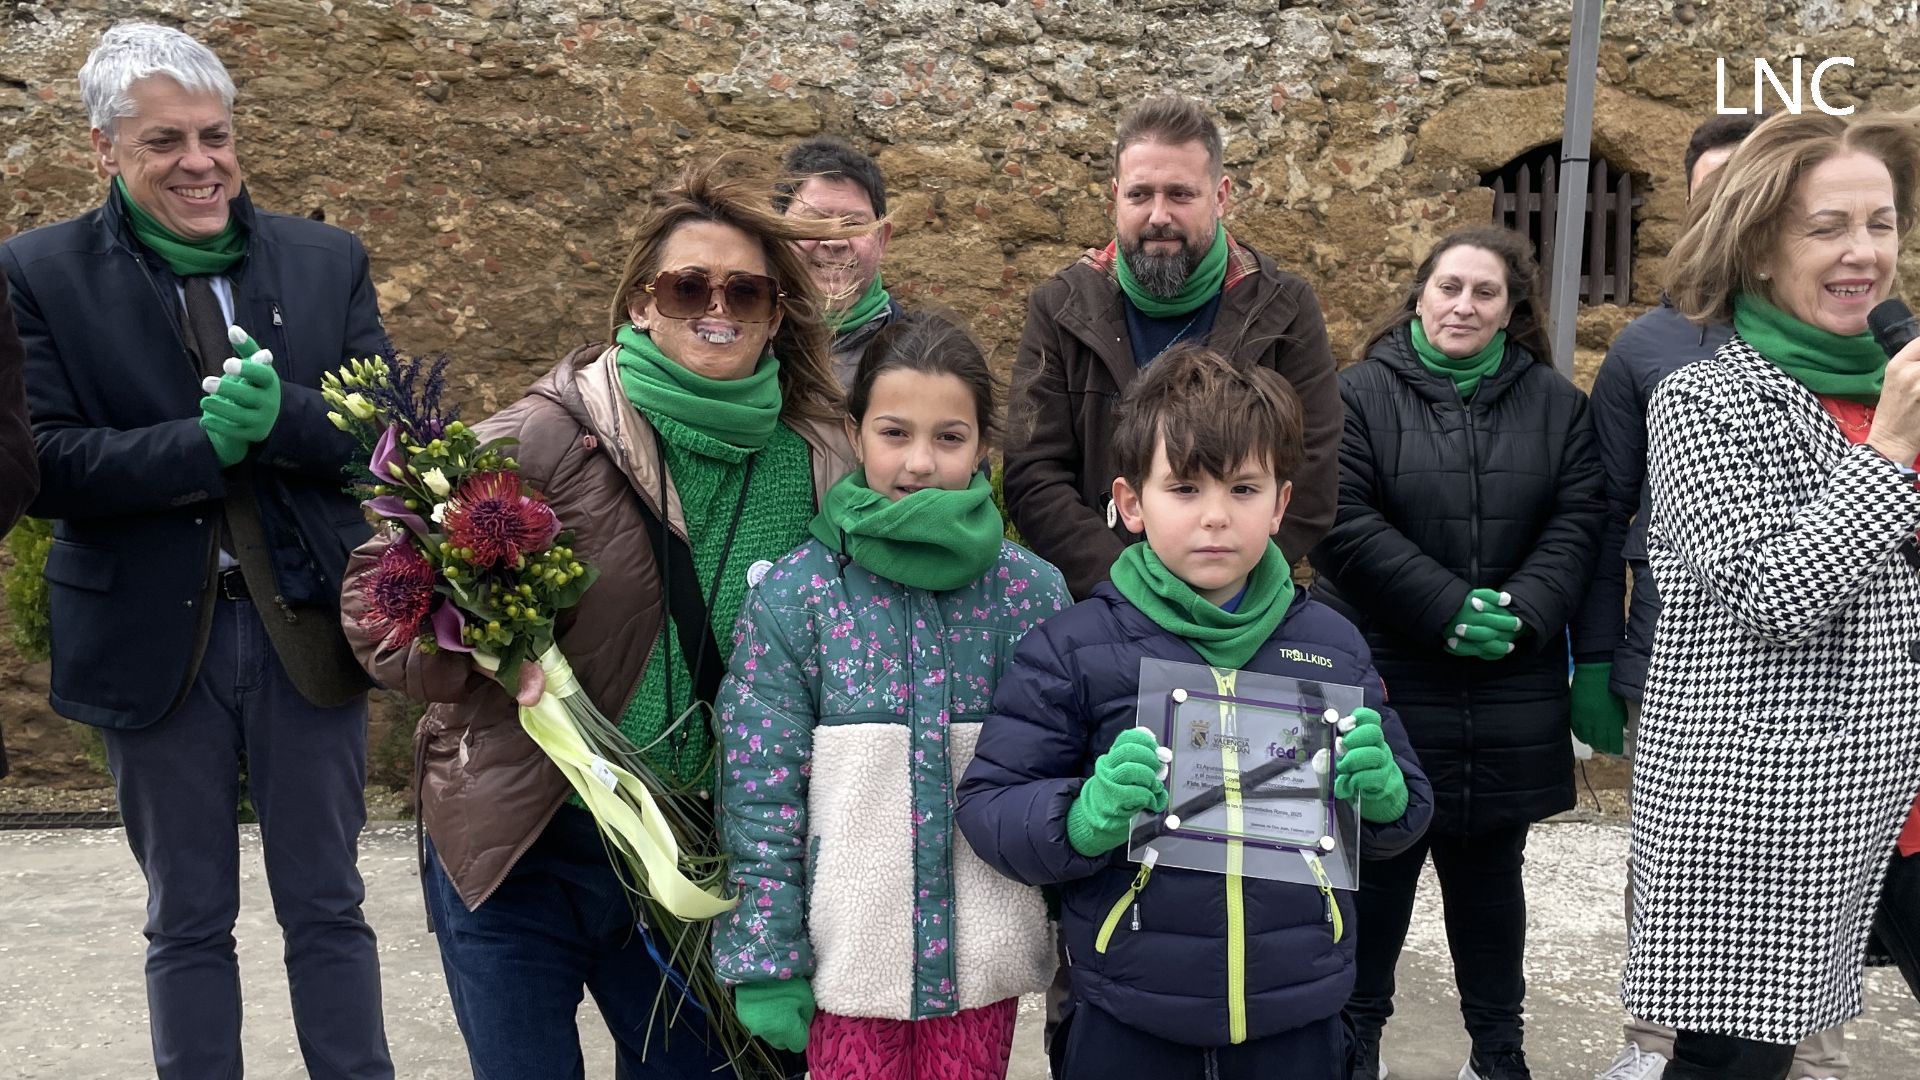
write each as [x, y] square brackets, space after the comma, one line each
[1201, 285]
[739, 412]
[708, 475]
[933, 539]
[864, 310]
[1824, 362]
[213, 255]
[1227, 639]
[1465, 371]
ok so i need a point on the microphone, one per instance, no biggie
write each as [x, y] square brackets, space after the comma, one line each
[1893, 325]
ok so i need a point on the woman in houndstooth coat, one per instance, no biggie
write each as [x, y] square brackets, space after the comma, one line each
[1780, 741]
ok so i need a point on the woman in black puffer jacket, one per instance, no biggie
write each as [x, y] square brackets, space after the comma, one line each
[1470, 513]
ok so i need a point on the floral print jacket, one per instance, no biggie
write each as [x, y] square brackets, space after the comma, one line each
[849, 713]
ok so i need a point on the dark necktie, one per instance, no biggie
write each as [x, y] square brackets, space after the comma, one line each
[240, 530]
[207, 324]
[308, 642]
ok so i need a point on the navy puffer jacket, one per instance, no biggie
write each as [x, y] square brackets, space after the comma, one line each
[1071, 690]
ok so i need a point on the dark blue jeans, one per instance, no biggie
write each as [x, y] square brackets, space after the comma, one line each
[516, 967]
[178, 783]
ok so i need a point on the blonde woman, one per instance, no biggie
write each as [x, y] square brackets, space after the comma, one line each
[1776, 757]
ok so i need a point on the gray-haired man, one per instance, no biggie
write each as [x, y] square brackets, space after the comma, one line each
[200, 532]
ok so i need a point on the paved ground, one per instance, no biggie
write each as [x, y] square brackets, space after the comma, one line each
[72, 1004]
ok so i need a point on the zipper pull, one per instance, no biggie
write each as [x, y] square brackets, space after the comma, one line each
[1128, 898]
[276, 315]
[1326, 891]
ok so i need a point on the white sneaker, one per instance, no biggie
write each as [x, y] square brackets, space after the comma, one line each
[1635, 1064]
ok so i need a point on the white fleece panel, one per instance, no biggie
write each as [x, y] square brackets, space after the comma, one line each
[860, 904]
[1003, 944]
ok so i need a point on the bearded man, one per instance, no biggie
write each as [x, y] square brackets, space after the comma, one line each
[1173, 274]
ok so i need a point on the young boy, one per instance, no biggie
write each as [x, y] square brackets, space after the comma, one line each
[1209, 975]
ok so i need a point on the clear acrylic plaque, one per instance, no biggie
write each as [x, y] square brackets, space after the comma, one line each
[1250, 787]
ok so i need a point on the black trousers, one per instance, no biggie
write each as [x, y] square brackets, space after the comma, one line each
[1486, 916]
[1897, 924]
[1700, 1056]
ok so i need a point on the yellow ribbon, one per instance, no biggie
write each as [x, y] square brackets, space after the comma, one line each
[626, 812]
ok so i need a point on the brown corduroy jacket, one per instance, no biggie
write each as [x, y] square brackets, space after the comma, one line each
[1075, 362]
[484, 790]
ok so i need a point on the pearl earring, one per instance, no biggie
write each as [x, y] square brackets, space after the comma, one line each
[1764, 276]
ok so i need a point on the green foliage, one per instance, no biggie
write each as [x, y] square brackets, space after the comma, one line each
[93, 746]
[999, 478]
[26, 590]
[26, 593]
[390, 757]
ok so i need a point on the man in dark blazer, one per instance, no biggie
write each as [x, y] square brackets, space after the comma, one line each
[200, 533]
[19, 474]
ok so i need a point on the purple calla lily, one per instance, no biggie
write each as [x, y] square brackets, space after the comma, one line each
[447, 624]
[386, 455]
[394, 508]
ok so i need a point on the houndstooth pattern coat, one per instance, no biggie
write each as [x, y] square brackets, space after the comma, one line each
[1779, 747]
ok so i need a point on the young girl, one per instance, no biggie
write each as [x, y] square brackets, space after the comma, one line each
[864, 664]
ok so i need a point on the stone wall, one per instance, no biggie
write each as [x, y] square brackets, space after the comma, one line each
[490, 152]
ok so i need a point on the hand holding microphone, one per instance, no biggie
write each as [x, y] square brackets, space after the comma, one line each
[1896, 421]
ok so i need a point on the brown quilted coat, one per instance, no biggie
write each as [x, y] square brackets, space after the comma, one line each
[484, 791]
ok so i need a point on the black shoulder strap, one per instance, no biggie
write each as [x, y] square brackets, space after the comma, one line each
[688, 610]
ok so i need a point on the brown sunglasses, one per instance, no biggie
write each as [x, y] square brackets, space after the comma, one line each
[688, 294]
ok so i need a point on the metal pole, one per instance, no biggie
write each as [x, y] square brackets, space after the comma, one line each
[1563, 290]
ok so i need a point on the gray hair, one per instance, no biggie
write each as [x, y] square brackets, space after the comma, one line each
[130, 52]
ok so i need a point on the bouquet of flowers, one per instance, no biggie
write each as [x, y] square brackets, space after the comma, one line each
[481, 565]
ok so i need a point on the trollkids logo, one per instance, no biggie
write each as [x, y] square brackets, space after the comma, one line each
[1299, 657]
[1790, 92]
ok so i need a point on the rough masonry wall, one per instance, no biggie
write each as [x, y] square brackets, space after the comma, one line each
[491, 153]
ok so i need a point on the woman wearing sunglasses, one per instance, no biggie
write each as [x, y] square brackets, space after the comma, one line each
[693, 446]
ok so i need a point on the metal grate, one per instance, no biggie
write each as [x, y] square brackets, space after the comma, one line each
[59, 819]
[1526, 199]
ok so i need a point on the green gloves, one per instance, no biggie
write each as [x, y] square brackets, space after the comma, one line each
[1366, 768]
[1126, 780]
[240, 408]
[778, 1012]
[1599, 716]
[1483, 628]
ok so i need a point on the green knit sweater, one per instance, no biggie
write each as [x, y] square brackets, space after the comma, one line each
[707, 473]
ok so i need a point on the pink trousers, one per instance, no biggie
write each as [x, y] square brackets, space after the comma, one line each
[972, 1044]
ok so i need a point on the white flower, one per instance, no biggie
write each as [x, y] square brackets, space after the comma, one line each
[359, 406]
[439, 514]
[436, 482]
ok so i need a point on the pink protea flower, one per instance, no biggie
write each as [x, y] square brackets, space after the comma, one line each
[489, 516]
[399, 593]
